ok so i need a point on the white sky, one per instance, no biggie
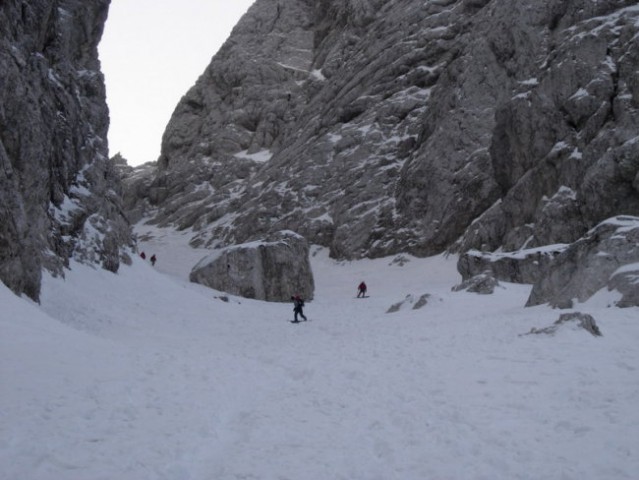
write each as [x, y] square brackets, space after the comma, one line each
[152, 52]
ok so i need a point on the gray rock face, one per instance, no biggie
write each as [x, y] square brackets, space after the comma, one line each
[626, 281]
[482, 283]
[376, 127]
[137, 194]
[523, 266]
[59, 194]
[560, 154]
[588, 265]
[273, 269]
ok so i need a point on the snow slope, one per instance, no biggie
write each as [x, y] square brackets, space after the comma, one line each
[142, 375]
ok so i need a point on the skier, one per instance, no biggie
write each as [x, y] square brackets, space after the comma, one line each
[153, 259]
[361, 290]
[298, 304]
[143, 256]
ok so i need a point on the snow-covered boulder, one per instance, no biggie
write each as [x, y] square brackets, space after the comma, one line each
[626, 281]
[589, 265]
[522, 266]
[271, 269]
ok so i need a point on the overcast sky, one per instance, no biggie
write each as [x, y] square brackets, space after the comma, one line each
[152, 52]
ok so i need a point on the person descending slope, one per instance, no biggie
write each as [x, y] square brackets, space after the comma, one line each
[298, 305]
[361, 290]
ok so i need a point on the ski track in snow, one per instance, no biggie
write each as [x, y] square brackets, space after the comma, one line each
[145, 376]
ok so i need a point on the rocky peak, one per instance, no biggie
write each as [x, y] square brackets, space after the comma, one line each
[409, 126]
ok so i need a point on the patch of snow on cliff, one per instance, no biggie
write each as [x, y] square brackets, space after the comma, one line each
[262, 156]
[318, 75]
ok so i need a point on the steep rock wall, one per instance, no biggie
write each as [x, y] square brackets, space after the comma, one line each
[375, 127]
[59, 194]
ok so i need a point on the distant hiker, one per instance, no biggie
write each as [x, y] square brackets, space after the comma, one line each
[143, 256]
[361, 290]
[153, 259]
[298, 305]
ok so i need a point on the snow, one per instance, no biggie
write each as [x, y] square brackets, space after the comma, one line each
[630, 267]
[624, 223]
[318, 75]
[565, 191]
[523, 253]
[142, 375]
[576, 154]
[533, 82]
[262, 156]
[66, 209]
[610, 21]
[334, 138]
[579, 94]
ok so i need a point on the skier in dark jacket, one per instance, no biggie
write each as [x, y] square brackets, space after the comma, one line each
[298, 305]
[361, 290]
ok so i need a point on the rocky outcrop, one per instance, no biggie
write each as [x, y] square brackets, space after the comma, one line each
[59, 194]
[482, 283]
[626, 281]
[376, 127]
[590, 264]
[577, 319]
[564, 150]
[412, 301]
[273, 269]
[137, 194]
[523, 266]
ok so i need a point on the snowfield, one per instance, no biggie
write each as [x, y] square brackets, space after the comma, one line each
[142, 375]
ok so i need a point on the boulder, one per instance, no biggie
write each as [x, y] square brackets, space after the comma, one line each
[410, 301]
[484, 284]
[626, 281]
[272, 269]
[523, 266]
[588, 265]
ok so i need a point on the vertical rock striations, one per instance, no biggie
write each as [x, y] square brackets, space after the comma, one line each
[375, 127]
[59, 194]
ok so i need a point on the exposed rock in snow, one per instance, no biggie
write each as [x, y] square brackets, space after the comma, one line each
[411, 300]
[483, 283]
[583, 320]
[523, 266]
[421, 301]
[588, 265]
[273, 269]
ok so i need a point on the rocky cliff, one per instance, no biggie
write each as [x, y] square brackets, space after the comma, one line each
[375, 127]
[60, 197]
